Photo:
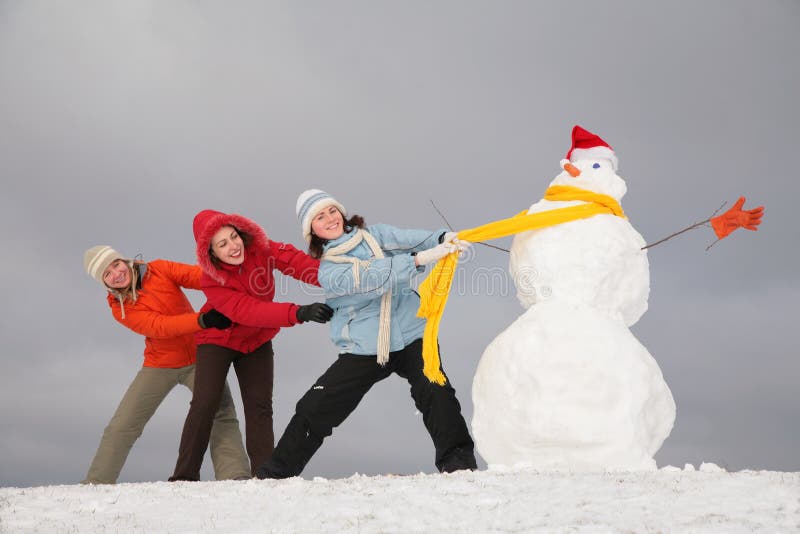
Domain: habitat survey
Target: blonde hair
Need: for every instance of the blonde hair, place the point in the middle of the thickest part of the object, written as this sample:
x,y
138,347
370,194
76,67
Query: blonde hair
x,y
129,293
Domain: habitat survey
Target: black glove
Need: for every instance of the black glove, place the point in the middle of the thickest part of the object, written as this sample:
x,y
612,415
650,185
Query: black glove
x,y
213,319
317,312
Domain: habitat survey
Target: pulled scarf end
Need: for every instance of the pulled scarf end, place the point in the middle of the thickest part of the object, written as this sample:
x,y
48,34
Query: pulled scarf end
x,y
431,365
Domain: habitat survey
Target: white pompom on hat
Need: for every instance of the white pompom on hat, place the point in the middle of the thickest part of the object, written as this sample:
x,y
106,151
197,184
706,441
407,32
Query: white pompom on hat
x,y
586,145
97,259
310,203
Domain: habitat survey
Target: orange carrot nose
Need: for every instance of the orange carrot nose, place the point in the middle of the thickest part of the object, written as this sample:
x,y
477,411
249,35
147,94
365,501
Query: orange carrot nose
x,y
570,168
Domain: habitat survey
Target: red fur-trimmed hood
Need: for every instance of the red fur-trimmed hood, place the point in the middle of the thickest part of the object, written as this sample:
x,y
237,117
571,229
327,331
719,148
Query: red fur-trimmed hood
x,y
208,222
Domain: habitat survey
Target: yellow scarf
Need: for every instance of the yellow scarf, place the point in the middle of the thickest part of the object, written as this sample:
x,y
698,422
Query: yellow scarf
x,y
435,288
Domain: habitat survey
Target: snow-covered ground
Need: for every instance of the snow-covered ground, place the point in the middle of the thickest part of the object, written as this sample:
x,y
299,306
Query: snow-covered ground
x,y
667,500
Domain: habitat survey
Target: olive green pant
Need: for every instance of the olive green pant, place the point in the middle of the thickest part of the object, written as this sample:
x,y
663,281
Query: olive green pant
x,y
140,402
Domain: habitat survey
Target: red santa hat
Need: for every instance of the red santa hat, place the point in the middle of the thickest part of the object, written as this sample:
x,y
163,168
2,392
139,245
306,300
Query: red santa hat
x,y
586,145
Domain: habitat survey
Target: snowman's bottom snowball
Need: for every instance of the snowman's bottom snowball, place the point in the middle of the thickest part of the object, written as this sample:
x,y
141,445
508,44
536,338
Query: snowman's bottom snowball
x,y
567,387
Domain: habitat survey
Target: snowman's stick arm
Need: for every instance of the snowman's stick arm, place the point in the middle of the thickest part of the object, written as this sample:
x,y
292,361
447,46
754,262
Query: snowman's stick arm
x,y
692,227
441,215
450,226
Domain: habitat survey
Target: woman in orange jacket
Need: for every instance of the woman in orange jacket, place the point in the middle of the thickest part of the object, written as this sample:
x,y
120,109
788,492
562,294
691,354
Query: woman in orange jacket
x,y
147,298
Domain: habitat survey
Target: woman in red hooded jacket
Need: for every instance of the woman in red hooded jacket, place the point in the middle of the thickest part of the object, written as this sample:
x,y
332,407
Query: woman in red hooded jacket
x,y
238,261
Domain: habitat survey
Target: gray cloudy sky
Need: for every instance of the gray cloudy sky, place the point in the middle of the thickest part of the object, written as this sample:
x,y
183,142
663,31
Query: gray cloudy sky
x,y
120,120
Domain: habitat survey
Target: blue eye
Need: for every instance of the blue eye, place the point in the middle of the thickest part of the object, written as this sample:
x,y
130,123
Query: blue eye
x,y
596,166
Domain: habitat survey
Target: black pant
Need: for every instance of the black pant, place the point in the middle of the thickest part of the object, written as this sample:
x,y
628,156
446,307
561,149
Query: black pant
x,y
255,372
338,391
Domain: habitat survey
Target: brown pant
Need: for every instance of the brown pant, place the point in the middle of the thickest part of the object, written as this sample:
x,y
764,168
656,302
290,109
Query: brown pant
x,y
255,373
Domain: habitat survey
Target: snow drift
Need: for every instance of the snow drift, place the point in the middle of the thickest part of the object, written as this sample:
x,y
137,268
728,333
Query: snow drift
x,y
670,499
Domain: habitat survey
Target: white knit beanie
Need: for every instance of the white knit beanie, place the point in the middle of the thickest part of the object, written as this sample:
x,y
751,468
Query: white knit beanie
x,y
309,204
97,259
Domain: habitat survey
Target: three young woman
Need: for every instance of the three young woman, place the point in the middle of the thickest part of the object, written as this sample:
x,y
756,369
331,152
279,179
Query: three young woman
x,y
366,274
238,260
147,298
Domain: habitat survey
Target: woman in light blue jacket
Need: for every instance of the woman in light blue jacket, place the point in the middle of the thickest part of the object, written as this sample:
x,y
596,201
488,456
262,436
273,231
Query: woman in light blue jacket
x,y
366,274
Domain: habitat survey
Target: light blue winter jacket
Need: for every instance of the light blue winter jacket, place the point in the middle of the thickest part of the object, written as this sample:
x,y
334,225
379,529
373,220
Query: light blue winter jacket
x,y
354,326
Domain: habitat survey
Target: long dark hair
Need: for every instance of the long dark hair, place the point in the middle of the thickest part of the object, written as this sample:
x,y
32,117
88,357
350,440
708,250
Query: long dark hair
x,y
316,244
246,239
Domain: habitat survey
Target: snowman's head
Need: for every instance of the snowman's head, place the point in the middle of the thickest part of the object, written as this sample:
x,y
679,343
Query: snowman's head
x,y
596,174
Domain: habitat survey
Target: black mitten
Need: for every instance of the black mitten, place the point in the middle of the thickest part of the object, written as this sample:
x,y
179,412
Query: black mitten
x,y
318,312
214,319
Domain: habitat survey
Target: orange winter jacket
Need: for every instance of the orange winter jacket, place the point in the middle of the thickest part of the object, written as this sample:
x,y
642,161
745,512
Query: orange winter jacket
x,y
163,314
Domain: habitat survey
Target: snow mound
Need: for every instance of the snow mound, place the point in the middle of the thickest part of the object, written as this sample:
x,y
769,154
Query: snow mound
x,y
566,387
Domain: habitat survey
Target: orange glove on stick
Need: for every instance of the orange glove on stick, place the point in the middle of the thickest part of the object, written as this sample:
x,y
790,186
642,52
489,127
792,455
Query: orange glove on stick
x,y
737,217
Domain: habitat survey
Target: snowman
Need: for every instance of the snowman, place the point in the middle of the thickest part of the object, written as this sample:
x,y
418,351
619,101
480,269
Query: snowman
x,y
567,386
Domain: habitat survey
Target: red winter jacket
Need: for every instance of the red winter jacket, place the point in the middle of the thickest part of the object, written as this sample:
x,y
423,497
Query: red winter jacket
x,y
244,292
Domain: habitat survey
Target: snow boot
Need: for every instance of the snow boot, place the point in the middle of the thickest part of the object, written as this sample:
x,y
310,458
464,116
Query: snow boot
x,y
458,459
274,470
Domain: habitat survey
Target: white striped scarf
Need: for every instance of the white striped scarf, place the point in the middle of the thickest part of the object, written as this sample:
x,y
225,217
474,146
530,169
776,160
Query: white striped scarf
x,y
337,255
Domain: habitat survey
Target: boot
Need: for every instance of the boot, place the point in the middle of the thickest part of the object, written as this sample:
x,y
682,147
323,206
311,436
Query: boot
x,y
458,459
276,470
